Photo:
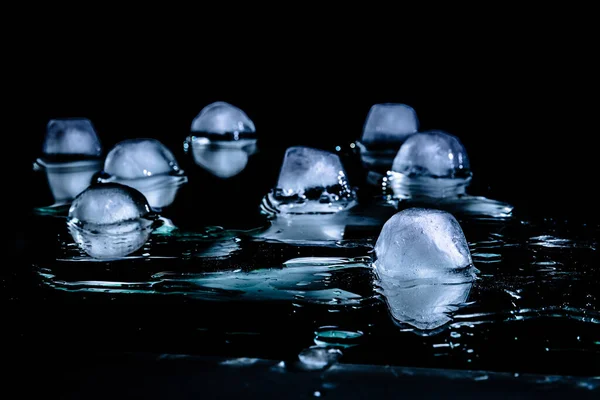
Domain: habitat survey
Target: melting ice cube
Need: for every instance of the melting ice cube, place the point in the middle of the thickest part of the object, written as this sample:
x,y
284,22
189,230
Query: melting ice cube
x,y
222,118
423,266
146,165
310,181
389,123
429,164
71,156
110,220
432,169
222,140
434,154
386,127
75,136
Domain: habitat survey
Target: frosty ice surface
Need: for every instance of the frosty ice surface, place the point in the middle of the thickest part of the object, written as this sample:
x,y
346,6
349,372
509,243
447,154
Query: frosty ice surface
x,y
110,220
146,165
423,265
222,139
71,156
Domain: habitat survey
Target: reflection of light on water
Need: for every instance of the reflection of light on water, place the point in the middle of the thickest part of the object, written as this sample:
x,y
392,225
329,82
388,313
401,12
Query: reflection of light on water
x,y
316,275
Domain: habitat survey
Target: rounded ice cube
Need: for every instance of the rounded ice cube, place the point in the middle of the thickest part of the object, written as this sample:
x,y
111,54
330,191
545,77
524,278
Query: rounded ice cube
x,y
148,166
421,243
140,158
221,118
389,123
110,220
72,136
432,154
222,139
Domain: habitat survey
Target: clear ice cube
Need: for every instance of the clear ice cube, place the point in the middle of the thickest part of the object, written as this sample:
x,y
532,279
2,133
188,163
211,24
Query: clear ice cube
x,y
139,158
220,118
432,154
305,169
310,181
110,220
146,165
423,267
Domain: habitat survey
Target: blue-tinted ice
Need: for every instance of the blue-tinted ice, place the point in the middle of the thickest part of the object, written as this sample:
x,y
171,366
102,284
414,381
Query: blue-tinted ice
x,y
386,127
432,168
110,220
222,139
423,266
70,158
146,165
311,190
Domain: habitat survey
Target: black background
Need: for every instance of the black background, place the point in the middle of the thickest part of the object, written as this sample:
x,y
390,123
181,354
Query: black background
x,y
527,124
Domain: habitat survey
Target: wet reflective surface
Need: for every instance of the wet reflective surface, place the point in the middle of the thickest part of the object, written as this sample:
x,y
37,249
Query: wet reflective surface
x,y
533,307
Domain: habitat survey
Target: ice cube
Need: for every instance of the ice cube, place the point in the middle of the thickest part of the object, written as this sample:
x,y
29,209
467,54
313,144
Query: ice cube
x,y
423,266
222,139
110,220
305,168
220,118
310,181
71,157
75,136
433,154
389,123
421,243
139,158
146,165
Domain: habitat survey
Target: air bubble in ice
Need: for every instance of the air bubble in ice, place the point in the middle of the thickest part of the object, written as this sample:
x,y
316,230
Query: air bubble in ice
x,y
146,165
110,220
70,157
222,139
423,267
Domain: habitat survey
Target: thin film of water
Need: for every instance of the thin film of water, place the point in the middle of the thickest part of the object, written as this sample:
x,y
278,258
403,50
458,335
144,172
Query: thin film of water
x,y
533,307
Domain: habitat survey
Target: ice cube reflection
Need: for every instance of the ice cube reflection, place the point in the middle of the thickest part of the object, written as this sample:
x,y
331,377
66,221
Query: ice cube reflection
x,y
424,267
